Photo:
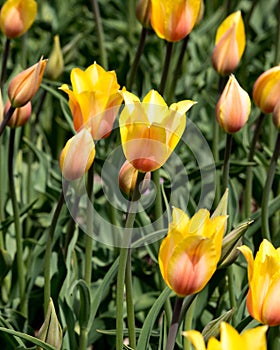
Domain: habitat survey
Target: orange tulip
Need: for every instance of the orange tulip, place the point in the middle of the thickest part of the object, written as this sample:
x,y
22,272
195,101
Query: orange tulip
x,y
20,115
17,16
174,20
229,44
233,107
266,90
94,100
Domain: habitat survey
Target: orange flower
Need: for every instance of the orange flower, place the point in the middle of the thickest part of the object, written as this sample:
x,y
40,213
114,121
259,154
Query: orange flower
x,y
266,90
25,85
233,107
17,16
20,115
94,100
174,20
229,44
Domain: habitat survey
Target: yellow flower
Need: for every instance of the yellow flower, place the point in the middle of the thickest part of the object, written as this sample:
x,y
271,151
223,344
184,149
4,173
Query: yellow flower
x,y
77,156
94,100
230,339
17,16
233,107
174,20
189,254
150,130
266,90
229,44
25,85
263,301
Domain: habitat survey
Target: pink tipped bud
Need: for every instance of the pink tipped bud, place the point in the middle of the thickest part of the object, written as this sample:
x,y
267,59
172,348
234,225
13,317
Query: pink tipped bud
x,y
276,115
20,115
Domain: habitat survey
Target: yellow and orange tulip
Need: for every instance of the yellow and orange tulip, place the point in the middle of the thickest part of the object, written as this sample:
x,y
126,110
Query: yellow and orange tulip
x,y
233,107
263,301
150,130
229,44
94,99
266,90
230,339
190,252
17,16
174,20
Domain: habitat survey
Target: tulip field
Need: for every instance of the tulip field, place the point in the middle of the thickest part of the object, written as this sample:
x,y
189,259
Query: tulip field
x,y
139,172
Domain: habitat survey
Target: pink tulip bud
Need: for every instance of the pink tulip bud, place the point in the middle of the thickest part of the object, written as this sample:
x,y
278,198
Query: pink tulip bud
x,y
20,115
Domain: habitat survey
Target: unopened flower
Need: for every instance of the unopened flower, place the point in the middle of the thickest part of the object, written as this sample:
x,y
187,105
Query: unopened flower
x,y
263,301
150,130
233,107
17,16
174,20
143,12
55,65
266,90
276,115
229,44
20,115
25,85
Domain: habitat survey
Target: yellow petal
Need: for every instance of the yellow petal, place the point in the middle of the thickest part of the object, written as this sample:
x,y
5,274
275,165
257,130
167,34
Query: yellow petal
x,y
230,338
271,306
254,338
196,339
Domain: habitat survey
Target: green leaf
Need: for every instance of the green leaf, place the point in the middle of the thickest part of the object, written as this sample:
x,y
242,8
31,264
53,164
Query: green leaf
x,y
84,313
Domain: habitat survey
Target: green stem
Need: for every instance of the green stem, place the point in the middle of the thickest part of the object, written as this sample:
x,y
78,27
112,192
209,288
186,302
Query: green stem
x,y
18,231
6,119
168,55
130,20
231,291
227,162
188,324
171,338
249,170
100,35
136,61
267,188
249,14
48,253
4,64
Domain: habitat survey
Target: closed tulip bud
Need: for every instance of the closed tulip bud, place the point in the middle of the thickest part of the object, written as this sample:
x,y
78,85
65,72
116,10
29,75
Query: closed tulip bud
x,y
17,16
229,44
266,90
263,301
25,85
143,12
55,64
174,20
233,107
20,115
276,115
77,156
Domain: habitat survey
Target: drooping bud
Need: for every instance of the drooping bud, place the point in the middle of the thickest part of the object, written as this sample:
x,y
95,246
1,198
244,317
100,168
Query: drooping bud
x,y
20,115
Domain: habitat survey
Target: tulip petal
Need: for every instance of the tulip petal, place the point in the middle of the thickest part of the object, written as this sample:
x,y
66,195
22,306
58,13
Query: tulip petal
x,y
271,305
254,338
230,338
196,339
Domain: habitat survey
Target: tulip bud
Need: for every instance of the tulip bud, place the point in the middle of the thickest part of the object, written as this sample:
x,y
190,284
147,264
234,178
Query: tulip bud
x,y
266,90
229,44
25,85
20,115
276,115
17,16
233,107
55,65
143,12
77,156
51,331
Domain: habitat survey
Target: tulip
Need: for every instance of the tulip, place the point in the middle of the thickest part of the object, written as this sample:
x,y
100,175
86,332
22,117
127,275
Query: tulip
x,y
25,85
189,254
77,156
17,16
174,20
263,301
229,44
20,116
150,130
233,107
143,12
55,65
230,339
276,115
94,100
266,90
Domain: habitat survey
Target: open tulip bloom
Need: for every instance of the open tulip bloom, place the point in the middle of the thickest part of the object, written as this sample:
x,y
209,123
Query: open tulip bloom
x,y
150,130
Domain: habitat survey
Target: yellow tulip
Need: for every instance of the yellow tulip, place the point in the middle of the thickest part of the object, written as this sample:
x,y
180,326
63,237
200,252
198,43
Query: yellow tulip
x,y
263,301
266,90
230,339
17,16
233,107
189,254
94,100
150,130
229,44
174,20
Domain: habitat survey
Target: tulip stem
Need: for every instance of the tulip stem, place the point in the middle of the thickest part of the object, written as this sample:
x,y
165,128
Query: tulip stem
x,y
171,338
267,188
6,119
18,230
168,55
100,34
227,162
249,170
48,253
4,63
232,294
